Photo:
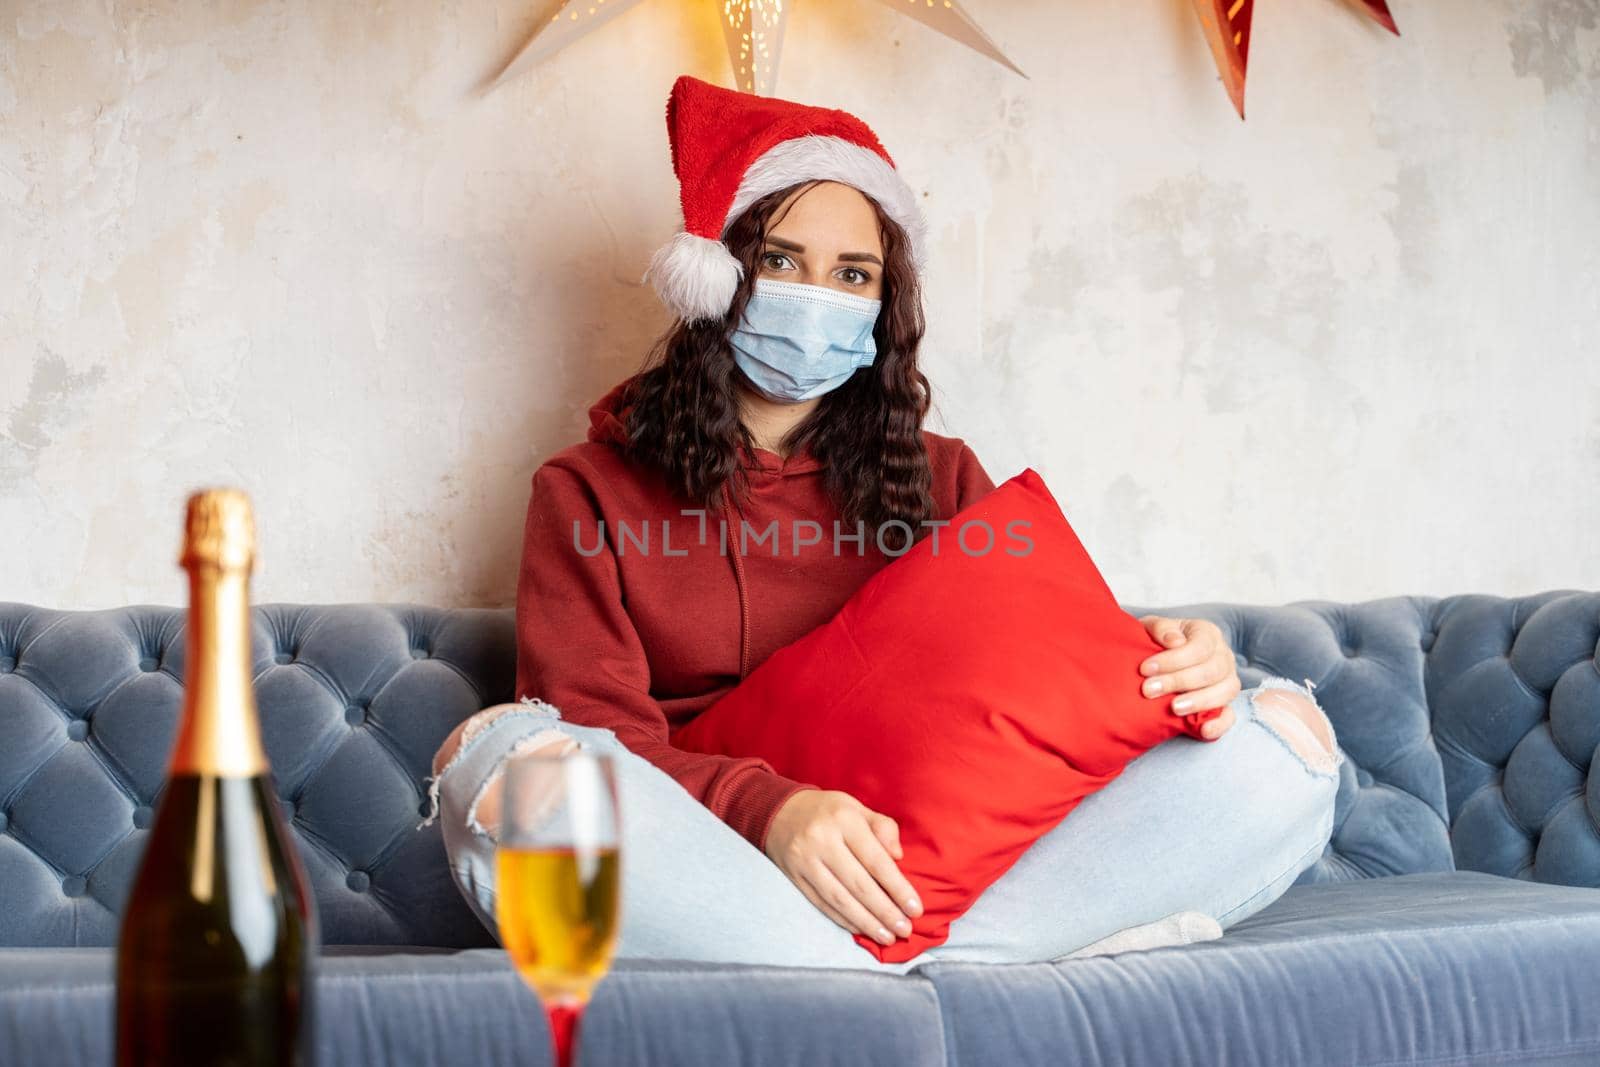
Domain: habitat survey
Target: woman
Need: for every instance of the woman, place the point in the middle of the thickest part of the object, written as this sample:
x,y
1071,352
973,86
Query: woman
x,y
786,398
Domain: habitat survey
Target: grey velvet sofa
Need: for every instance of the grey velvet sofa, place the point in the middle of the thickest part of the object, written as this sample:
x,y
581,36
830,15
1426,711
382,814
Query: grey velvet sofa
x,y
1455,918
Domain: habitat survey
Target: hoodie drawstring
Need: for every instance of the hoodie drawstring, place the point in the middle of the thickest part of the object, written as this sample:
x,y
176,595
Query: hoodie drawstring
x,y
738,581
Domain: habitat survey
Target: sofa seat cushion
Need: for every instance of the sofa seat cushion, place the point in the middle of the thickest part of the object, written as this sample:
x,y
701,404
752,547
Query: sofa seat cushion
x,y
436,1006
1454,968
1459,968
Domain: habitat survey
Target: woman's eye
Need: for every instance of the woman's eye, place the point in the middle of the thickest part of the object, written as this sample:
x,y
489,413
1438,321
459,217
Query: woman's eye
x,y
865,277
767,259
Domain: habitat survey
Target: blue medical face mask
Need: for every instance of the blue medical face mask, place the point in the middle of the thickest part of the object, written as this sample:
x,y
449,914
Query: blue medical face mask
x,y
799,341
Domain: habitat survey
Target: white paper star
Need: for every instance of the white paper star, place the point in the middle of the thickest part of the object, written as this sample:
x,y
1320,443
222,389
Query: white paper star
x,y
754,31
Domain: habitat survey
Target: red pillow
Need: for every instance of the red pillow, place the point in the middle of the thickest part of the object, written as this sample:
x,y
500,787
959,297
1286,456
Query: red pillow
x,y
975,690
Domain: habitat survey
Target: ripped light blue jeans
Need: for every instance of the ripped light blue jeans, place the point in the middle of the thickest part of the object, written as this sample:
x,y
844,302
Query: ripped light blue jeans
x,y
1221,827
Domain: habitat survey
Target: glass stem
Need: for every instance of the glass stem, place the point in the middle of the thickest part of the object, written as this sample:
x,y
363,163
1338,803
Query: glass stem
x,y
563,1016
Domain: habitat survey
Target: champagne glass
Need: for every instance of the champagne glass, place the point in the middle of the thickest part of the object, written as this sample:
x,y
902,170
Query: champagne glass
x,y
558,880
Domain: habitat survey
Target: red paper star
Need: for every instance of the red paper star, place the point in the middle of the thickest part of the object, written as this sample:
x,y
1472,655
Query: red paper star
x,y
1227,28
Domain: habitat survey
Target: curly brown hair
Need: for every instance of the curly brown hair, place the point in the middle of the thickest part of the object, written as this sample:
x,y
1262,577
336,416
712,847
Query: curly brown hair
x,y
683,411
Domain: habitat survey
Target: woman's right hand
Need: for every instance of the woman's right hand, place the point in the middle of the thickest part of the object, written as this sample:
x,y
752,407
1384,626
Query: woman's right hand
x,y
842,856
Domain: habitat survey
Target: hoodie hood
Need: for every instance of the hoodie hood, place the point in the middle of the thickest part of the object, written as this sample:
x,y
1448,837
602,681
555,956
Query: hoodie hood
x,y
606,425
605,416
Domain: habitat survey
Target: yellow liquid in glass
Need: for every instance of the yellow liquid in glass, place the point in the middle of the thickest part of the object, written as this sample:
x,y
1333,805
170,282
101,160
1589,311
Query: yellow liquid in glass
x,y
557,910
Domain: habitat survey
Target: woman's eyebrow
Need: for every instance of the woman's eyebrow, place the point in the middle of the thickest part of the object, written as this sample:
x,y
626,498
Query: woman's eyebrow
x,y
848,257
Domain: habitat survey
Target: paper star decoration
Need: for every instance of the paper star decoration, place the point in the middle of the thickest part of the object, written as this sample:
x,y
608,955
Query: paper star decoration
x,y
1227,28
754,32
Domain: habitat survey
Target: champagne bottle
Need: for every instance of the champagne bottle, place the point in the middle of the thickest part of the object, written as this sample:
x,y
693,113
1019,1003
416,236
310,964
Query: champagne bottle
x,y
219,932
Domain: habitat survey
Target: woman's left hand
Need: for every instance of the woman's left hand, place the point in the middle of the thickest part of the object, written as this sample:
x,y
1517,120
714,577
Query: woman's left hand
x,y
1197,667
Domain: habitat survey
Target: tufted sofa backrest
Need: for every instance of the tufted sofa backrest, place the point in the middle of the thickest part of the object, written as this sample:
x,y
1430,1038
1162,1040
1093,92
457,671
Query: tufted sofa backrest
x,y
354,701
1470,724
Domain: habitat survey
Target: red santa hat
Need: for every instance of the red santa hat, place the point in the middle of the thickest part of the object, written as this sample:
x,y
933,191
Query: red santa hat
x,y
729,149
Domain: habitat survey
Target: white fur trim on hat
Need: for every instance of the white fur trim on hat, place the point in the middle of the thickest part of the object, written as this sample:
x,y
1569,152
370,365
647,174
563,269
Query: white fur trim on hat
x,y
818,156
695,276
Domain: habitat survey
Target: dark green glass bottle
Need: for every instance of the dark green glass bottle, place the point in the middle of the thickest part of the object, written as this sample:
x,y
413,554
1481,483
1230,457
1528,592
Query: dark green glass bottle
x,y
219,933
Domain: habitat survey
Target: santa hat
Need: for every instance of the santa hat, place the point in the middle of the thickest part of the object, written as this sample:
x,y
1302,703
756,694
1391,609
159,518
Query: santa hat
x,y
729,149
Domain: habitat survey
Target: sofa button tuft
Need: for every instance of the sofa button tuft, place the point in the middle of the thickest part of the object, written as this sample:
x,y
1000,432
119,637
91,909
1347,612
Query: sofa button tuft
x,y
7,664
357,881
355,713
1427,641
3,822
74,885
148,664
78,729
143,816
282,657
419,652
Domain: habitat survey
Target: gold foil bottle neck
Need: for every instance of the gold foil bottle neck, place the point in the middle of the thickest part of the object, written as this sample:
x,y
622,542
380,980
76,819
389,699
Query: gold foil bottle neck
x,y
219,530
219,733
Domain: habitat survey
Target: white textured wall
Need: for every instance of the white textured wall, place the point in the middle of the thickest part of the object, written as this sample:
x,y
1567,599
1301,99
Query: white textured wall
x,y
1346,349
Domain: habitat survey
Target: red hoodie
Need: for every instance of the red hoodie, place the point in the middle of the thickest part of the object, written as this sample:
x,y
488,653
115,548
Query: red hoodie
x,y
635,616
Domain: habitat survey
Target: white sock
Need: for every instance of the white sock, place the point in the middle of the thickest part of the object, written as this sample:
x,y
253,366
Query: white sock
x,y
1179,928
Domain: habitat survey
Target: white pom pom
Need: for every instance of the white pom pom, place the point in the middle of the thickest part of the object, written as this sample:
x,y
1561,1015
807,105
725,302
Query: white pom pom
x,y
695,276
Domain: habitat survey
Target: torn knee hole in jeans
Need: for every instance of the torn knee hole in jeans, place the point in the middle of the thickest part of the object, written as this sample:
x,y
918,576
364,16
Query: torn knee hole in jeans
x,y
471,729
480,721
1297,720
483,814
